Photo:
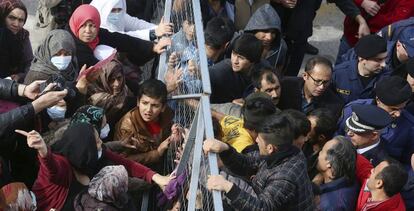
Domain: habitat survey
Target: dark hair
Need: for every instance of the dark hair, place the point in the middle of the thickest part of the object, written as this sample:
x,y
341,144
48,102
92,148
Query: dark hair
x,y
7,6
153,88
218,32
393,177
249,46
255,110
310,64
342,157
325,122
218,132
298,121
265,73
276,130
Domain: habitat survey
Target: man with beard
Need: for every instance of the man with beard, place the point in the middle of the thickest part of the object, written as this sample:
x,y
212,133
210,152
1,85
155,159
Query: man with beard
x,y
265,81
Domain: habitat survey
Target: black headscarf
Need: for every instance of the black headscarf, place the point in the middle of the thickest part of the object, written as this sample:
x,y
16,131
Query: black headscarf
x,y
78,145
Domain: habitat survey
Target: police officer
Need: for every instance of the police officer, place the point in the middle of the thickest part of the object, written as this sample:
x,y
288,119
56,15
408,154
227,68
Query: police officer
x,y
364,128
392,95
355,79
400,51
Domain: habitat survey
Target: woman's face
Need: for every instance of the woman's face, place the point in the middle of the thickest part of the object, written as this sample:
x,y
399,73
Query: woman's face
x,y
115,82
88,32
15,20
63,52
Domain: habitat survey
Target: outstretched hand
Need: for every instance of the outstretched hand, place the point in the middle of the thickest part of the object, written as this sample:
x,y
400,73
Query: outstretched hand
x,y
35,141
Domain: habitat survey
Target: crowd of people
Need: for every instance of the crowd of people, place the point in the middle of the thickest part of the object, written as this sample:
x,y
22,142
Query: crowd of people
x,y
80,129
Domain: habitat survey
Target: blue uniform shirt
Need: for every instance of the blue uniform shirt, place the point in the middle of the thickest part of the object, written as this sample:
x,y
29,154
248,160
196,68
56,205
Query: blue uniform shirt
x,y
346,82
398,137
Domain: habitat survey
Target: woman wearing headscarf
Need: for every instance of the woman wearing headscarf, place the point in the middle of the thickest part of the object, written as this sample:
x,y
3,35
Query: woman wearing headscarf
x,y
110,92
107,191
84,25
56,55
114,17
87,114
68,166
16,196
15,50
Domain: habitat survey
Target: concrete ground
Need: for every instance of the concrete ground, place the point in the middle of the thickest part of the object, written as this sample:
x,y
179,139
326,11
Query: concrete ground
x,y
327,29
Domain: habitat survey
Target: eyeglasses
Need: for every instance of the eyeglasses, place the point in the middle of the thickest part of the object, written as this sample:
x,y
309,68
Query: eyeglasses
x,y
320,82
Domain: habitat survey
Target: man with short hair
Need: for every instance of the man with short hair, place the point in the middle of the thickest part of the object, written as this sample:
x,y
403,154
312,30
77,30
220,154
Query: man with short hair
x,y
381,186
311,91
217,34
281,181
230,77
356,79
336,164
392,95
146,128
400,51
265,81
323,127
364,128
300,124
240,133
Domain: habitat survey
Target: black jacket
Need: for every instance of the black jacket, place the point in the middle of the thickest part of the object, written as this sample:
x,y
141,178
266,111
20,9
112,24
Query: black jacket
x,y
281,182
139,51
227,85
11,120
291,97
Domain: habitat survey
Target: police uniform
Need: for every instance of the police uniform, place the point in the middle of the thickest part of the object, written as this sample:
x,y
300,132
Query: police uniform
x,y
369,118
346,79
346,82
398,137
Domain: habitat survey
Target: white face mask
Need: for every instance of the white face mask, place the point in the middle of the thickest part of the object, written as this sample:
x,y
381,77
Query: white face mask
x,y
104,131
56,113
61,62
99,153
115,18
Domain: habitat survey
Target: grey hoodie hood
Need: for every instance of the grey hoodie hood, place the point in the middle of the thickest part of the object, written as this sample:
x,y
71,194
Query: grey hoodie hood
x,y
264,18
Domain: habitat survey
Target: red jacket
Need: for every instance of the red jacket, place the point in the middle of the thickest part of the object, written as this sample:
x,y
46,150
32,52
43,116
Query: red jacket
x,y
390,12
395,203
55,176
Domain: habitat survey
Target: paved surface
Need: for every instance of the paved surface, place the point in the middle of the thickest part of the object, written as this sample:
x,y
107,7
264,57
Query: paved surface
x,y
327,29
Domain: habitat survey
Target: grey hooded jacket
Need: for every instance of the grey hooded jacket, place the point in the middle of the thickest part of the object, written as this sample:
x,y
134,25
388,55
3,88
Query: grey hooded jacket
x,y
266,18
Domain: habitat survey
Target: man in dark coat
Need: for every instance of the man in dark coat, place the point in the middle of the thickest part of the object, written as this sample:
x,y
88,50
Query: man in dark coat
x,y
281,181
231,77
312,90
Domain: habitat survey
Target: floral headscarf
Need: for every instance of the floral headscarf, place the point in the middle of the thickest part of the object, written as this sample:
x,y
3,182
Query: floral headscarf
x,y
110,185
89,114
